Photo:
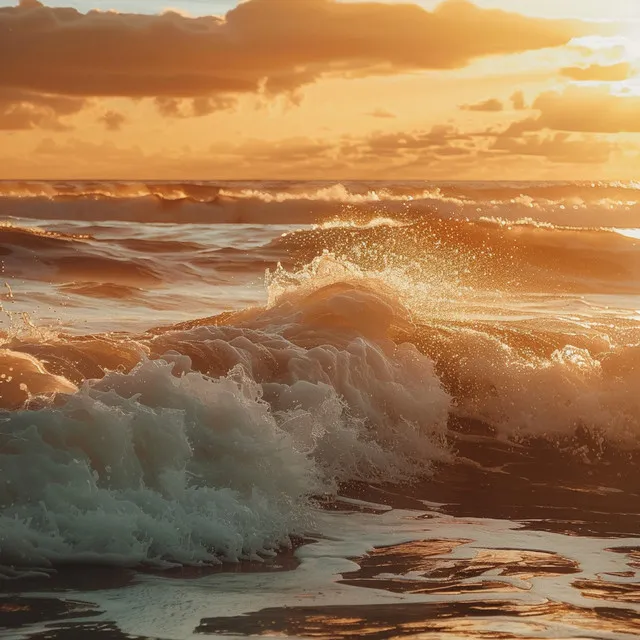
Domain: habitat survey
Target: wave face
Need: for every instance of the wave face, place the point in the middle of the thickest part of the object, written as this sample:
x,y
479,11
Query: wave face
x,y
162,406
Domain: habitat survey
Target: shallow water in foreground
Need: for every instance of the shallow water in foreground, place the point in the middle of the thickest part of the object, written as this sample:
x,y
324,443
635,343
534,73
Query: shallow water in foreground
x,y
426,425
435,574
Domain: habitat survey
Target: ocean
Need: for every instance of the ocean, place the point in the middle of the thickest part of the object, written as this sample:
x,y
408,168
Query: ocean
x,y
319,410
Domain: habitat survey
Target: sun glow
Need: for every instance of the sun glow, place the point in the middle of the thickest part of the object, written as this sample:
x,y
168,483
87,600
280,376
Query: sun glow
x,y
630,33
631,28
631,49
613,51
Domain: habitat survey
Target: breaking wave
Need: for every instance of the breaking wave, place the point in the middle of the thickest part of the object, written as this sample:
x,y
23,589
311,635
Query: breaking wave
x,y
209,441
213,445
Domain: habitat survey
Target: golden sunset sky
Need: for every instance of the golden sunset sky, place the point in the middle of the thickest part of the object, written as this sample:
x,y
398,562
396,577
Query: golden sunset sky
x,y
320,89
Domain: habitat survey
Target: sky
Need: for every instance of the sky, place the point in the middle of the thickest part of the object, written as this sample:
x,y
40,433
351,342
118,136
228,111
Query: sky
x,y
320,89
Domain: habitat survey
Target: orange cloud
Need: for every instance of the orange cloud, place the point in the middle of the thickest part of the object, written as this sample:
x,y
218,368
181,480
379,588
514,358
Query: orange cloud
x,y
583,109
491,105
443,151
557,147
444,143
112,120
518,102
195,107
23,109
262,45
381,113
440,139
596,72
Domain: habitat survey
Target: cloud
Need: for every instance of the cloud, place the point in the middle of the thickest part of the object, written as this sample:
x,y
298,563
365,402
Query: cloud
x,y
444,144
518,102
602,73
588,109
290,151
491,105
494,105
112,120
195,107
381,113
391,145
273,46
286,158
440,152
557,147
21,109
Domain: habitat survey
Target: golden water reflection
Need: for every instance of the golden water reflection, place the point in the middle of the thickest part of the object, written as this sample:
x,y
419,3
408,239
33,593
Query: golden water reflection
x,y
504,606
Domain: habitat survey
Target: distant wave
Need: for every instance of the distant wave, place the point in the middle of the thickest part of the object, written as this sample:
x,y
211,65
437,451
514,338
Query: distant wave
x,y
347,191
591,204
93,190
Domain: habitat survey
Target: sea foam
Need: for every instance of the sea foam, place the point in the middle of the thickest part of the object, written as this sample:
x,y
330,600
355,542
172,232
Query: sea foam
x,y
165,464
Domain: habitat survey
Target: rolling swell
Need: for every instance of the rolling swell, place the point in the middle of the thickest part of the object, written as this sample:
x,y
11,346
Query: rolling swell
x,y
355,191
484,254
35,254
593,204
118,267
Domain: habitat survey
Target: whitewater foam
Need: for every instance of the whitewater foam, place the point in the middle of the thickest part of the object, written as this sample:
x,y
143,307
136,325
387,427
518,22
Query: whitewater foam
x,y
201,473
167,465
